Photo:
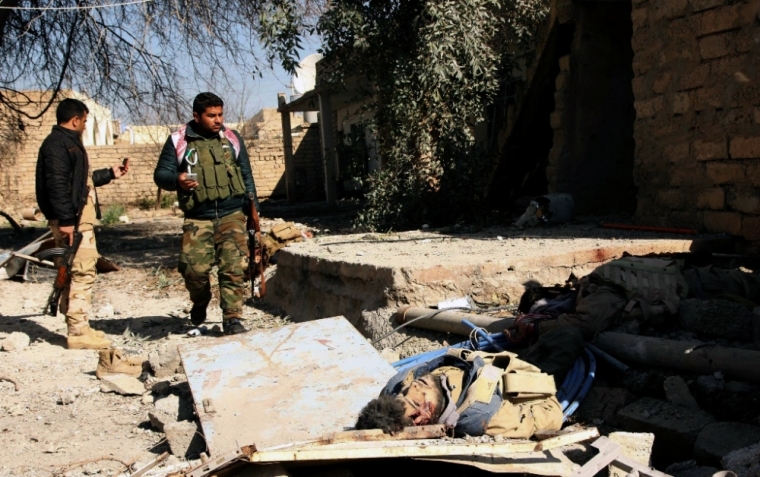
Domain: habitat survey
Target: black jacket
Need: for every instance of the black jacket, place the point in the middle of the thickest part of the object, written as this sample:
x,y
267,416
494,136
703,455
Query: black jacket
x,y
62,167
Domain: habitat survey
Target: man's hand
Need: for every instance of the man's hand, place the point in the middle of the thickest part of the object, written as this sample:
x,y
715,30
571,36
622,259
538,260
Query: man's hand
x,y
68,234
186,184
121,169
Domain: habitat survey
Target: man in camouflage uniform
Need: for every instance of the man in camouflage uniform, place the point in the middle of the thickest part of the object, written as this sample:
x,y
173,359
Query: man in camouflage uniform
x,y
209,168
66,195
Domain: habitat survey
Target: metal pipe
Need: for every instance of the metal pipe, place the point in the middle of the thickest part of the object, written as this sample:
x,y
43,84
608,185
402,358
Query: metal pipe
x,y
692,356
615,363
450,321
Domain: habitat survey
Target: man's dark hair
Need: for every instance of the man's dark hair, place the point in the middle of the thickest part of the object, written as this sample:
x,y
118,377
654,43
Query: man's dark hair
x,y
70,108
386,413
206,100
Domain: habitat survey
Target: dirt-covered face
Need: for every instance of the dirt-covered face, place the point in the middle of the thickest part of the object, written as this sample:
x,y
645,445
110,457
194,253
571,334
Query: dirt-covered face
x,y
422,400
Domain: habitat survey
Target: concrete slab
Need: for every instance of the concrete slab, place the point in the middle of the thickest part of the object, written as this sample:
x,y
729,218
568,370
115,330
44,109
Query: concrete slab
x,y
676,427
282,386
343,275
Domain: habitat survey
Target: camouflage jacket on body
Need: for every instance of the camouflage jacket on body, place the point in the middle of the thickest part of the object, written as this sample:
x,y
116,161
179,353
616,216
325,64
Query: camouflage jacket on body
x,y
496,394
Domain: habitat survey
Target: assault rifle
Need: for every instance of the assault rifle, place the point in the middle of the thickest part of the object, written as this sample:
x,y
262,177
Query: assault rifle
x,y
63,277
256,248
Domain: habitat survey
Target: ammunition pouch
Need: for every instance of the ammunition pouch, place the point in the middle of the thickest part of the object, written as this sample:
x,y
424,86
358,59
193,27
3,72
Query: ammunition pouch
x,y
219,175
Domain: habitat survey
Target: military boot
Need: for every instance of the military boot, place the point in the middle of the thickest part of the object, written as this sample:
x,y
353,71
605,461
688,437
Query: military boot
x,y
114,361
86,338
198,314
233,327
97,333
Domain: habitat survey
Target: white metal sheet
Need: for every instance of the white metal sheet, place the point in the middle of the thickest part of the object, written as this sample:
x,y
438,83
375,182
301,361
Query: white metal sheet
x,y
276,387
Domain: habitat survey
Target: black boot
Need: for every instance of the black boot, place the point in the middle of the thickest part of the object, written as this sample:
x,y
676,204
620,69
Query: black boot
x,y
233,327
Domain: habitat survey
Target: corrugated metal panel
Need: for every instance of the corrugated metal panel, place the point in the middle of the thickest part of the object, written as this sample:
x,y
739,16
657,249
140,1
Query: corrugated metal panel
x,y
277,387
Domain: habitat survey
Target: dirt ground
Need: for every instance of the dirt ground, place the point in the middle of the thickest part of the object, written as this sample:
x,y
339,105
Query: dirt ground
x,y
140,308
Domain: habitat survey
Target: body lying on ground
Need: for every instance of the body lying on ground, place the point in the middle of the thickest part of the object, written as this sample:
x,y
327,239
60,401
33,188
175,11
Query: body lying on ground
x,y
478,393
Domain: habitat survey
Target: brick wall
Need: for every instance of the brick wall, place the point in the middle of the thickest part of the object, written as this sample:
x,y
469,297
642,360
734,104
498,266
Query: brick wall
x,y
697,132
17,173
268,163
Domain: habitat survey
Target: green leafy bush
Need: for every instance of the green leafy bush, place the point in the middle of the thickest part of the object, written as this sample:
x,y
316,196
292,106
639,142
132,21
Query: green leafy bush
x,y
432,67
111,214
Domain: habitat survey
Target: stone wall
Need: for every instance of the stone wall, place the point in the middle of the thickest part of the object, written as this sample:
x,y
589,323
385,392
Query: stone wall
x,y
697,131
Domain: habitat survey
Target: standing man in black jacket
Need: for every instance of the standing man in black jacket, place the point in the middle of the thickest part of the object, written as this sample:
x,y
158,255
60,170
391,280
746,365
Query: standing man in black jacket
x,y
66,195
208,165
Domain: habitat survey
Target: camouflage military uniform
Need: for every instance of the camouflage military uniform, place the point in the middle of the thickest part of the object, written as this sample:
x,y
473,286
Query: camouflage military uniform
x,y
76,298
214,231
223,241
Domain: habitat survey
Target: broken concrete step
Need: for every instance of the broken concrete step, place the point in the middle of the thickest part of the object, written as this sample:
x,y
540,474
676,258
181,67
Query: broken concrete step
x,y
676,427
719,439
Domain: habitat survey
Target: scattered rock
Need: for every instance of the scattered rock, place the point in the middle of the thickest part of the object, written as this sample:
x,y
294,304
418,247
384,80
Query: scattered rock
x,y
745,462
604,403
165,411
106,311
15,341
676,427
636,445
716,318
165,362
184,439
718,440
67,398
390,355
122,384
710,384
148,398
677,392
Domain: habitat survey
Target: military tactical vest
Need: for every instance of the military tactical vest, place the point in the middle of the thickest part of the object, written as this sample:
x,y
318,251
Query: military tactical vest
x,y
654,284
490,378
219,175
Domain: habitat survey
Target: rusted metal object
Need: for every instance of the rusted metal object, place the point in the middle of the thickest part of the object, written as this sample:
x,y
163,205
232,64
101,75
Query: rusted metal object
x,y
450,321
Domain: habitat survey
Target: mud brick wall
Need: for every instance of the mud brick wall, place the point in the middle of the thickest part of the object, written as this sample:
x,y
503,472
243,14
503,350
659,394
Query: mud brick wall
x,y
697,131
268,163
17,173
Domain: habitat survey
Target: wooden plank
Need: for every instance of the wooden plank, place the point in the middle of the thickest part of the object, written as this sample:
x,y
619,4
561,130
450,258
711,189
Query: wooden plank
x,y
628,465
566,439
608,452
392,449
370,435
152,464
548,463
